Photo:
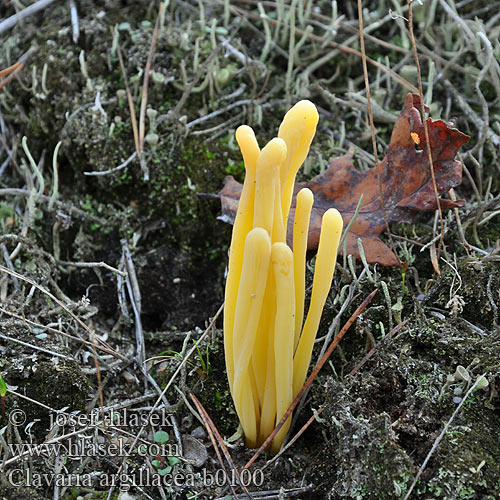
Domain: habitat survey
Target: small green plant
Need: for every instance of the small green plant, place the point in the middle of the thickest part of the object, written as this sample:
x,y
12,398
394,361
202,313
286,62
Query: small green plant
x,y
162,437
168,354
204,359
236,169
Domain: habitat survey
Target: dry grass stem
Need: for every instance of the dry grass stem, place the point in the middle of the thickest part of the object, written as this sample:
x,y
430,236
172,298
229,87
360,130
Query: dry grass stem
x,y
427,142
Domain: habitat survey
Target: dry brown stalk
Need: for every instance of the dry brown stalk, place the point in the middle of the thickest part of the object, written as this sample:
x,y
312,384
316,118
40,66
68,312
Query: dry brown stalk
x,y
10,73
130,101
217,441
145,87
426,131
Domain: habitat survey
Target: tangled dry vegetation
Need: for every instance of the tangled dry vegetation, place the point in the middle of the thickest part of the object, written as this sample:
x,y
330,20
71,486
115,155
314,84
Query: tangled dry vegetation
x,y
117,126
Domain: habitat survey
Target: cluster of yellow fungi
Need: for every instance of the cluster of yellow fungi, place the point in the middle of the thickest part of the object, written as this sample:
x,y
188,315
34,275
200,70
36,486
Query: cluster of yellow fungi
x,y
267,345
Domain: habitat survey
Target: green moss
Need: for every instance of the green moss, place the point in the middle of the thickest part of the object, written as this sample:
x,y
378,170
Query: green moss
x,y
37,376
382,422
468,458
478,286
72,387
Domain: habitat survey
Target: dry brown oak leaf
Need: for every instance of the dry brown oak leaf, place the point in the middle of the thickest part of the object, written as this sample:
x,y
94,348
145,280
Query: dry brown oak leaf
x,y
406,185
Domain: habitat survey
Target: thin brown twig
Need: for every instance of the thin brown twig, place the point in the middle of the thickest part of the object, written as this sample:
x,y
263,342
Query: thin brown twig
x,y
372,351
301,431
10,73
378,166
10,69
426,132
217,441
99,384
292,441
220,441
131,106
311,377
145,87
383,43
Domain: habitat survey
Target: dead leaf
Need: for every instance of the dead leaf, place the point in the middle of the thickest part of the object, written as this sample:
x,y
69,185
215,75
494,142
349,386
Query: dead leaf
x,y
406,184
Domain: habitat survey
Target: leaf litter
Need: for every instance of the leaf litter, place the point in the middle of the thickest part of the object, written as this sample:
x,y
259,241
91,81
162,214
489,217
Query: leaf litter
x,y
406,185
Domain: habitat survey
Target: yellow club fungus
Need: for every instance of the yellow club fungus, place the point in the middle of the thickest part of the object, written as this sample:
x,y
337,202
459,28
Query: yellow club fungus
x,y
305,200
267,344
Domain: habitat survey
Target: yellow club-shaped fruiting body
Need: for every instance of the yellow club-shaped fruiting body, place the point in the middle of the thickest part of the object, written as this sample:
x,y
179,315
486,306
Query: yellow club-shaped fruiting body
x,y
305,200
267,346
297,130
256,257
284,327
242,226
331,229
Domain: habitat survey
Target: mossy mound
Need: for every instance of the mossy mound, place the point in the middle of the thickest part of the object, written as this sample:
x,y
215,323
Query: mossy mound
x,y
55,379
473,291
380,424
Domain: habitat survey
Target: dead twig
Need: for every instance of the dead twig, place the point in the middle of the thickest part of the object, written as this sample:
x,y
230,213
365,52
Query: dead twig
x,y
55,299
217,441
99,385
145,86
274,494
63,205
114,169
470,113
292,441
75,25
92,265
485,110
461,232
136,301
11,72
11,21
130,101
162,395
348,50
35,347
107,350
426,132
